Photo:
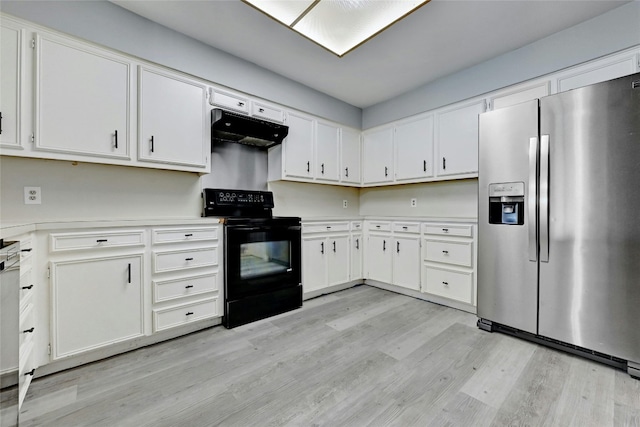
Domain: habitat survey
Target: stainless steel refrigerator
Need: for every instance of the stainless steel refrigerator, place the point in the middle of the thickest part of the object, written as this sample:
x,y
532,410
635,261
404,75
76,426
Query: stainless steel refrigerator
x,y
559,221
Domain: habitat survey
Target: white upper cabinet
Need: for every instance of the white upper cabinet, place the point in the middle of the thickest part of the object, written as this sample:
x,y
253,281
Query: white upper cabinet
x,y
327,150
350,156
602,70
298,146
229,100
519,94
172,123
11,66
456,139
377,154
267,112
414,149
82,99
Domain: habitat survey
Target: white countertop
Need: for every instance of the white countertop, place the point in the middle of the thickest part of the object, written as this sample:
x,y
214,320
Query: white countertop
x,y
12,229
395,218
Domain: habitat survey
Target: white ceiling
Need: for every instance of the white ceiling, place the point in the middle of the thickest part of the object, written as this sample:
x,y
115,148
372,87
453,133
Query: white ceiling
x,y
442,37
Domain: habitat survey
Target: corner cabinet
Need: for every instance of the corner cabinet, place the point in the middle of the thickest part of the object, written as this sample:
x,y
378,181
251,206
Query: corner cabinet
x,y
83,99
377,155
172,123
97,291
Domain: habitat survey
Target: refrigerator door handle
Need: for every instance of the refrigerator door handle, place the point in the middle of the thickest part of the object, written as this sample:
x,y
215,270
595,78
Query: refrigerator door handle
x,y
533,163
544,198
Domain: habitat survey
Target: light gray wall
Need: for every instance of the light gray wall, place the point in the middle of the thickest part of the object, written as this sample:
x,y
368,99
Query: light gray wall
x,y
314,200
611,32
112,26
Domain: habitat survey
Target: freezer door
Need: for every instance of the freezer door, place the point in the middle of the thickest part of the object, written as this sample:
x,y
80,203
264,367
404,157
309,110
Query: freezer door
x,y
590,285
507,249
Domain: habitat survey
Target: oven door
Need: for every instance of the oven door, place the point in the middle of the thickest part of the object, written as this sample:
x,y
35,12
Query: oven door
x,y
261,258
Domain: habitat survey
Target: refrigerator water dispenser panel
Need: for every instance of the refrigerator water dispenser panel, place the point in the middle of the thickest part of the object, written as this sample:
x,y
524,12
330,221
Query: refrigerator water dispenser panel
x,y
506,203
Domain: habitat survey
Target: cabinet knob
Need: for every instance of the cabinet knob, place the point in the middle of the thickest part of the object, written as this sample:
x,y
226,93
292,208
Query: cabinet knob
x,y
240,104
261,110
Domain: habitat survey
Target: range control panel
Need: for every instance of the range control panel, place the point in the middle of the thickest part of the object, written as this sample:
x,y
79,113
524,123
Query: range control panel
x,y
218,202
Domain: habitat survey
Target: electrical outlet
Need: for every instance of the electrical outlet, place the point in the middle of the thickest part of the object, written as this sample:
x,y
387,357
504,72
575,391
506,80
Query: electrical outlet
x,y
414,203
345,204
32,195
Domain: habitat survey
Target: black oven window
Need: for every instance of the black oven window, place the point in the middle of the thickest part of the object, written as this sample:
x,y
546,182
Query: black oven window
x,y
264,258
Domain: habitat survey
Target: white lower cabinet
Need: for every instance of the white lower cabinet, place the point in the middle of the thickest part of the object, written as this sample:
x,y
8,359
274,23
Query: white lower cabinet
x,y
356,257
449,260
186,271
393,253
96,302
328,255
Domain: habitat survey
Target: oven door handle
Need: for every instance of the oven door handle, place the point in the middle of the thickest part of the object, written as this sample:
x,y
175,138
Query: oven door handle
x,y
267,227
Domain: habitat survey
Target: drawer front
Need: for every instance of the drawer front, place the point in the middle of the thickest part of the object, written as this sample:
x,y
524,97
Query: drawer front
x,y
181,315
328,227
406,227
230,101
379,226
458,253
165,290
184,259
110,239
449,284
356,226
447,229
267,112
174,235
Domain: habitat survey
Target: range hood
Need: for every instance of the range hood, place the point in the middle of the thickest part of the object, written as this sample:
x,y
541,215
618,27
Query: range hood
x,y
233,127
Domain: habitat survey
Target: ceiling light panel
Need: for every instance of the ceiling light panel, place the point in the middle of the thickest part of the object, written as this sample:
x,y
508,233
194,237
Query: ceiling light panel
x,y
341,25
337,25
285,11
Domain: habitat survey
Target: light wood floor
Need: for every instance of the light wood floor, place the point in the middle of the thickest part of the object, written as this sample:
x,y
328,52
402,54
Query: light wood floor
x,y
360,357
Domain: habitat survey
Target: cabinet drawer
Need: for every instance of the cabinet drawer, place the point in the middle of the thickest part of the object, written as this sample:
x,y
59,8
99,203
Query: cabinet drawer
x,y
173,235
267,112
328,227
179,315
449,284
447,229
356,226
379,226
458,253
93,240
406,227
229,100
183,259
165,290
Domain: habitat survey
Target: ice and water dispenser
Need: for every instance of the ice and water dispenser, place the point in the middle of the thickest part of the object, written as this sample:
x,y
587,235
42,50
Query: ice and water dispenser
x,y
506,203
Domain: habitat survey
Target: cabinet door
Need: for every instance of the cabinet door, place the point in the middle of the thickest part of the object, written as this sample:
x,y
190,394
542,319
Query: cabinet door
x,y
414,149
378,156
10,85
314,263
82,99
338,259
350,156
406,262
356,257
327,142
519,94
379,261
96,302
172,124
298,147
457,139
598,71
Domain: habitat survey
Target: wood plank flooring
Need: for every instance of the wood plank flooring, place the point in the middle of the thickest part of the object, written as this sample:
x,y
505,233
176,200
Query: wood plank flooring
x,y
360,357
